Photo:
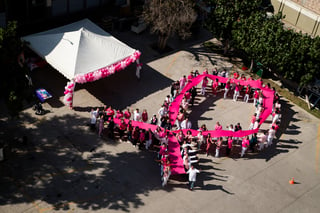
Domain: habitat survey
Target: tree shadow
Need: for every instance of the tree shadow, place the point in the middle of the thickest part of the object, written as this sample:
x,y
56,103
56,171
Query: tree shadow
x,y
61,170
199,108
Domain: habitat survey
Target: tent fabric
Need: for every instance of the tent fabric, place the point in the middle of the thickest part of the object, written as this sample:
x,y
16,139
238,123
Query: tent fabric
x,y
81,48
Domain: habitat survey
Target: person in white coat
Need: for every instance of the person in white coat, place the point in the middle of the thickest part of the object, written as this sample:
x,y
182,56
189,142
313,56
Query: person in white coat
x,y
192,176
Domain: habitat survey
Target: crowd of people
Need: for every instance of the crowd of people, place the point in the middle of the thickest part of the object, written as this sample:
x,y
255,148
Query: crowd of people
x,y
190,145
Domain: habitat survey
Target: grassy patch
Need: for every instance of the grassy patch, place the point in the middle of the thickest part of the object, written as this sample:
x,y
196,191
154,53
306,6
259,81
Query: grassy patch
x,y
294,99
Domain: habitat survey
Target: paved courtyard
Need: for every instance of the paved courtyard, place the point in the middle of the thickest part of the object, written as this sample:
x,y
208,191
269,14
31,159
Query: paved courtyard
x,y
64,167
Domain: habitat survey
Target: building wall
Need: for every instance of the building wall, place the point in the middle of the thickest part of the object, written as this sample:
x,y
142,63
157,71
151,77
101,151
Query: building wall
x,y
313,5
299,16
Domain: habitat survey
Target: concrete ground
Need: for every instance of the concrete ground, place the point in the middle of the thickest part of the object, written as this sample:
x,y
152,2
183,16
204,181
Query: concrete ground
x,y
64,167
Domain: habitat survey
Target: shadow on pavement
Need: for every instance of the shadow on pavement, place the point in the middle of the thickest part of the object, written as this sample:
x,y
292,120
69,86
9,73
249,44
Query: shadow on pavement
x,y
60,170
118,90
123,88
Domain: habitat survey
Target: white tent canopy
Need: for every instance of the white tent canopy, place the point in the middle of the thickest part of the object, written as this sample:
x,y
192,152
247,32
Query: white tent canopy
x,y
78,48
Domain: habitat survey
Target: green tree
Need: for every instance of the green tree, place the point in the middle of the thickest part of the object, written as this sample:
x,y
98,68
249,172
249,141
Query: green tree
x,y
13,86
226,13
167,17
292,55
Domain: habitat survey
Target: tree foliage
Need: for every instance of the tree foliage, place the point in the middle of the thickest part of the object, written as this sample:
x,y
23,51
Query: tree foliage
x,y
294,56
226,13
13,85
167,17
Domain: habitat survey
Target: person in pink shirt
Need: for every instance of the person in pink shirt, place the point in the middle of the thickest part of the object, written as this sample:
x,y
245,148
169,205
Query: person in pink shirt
x,y
144,116
205,71
204,85
180,137
119,114
188,95
182,81
247,94
122,129
236,75
190,76
180,118
215,85
245,144
236,92
229,145
255,97
127,114
109,113
218,126
142,138
226,89
218,147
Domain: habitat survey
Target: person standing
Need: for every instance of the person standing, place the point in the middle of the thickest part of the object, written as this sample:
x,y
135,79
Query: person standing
x,y
148,138
215,85
144,116
271,134
193,92
247,94
255,97
218,126
186,124
245,144
136,115
218,147
226,89
154,120
236,92
109,113
192,176
209,143
182,82
162,111
253,120
204,86
262,139
111,128
93,118
129,130
253,142
127,114
229,145
122,128
200,139
101,125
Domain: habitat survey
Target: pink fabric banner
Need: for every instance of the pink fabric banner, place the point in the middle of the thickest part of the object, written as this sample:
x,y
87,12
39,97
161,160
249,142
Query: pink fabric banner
x,y
268,103
173,145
